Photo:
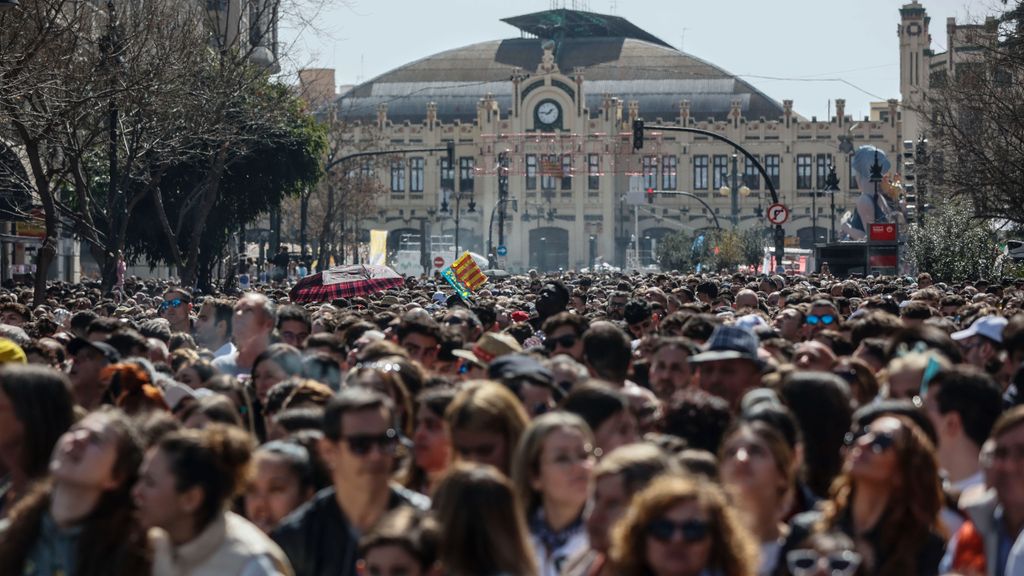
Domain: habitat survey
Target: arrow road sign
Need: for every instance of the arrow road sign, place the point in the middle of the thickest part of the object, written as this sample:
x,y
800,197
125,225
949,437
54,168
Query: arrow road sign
x,y
778,214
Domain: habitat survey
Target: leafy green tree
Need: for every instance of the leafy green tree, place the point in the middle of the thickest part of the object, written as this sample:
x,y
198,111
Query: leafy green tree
x,y
285,162
674,251
954,245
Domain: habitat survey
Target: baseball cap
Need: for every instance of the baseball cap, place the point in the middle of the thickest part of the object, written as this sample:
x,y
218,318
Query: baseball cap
x,y
516,366
108,351
729,342
990,327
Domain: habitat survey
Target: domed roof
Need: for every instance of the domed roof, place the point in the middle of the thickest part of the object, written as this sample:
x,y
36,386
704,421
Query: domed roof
x,y
630,66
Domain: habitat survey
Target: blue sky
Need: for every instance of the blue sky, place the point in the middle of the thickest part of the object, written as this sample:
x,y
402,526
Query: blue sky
x,y
810,51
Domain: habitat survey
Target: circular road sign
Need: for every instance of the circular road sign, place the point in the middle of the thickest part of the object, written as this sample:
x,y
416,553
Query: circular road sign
x,y
438,262
502,250
778,213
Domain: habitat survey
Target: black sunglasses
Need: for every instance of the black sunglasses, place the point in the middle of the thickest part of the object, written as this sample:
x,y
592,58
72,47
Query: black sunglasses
x,y
664,530
361,444
880,441
567,341
176,303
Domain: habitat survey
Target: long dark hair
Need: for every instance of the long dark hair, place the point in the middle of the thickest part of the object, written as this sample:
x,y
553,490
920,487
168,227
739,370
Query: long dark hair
x,y
914,504
43,404
111,542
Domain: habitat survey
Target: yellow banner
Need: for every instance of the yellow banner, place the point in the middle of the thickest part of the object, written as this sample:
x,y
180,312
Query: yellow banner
x,y
378,246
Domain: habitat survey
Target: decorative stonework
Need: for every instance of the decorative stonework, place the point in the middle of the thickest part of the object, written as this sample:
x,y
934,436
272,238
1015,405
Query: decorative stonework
x,y
547,61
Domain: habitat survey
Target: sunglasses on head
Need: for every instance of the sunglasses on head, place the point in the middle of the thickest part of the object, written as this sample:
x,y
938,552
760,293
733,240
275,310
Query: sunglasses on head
x,y
664,530
807,562
879,441
176,303
567,341
814,319
362,444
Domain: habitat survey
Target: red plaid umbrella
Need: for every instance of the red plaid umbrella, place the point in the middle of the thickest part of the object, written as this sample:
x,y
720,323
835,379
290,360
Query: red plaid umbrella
x,y
345,282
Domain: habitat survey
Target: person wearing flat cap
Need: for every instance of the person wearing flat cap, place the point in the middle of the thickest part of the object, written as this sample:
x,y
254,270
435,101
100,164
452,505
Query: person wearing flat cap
x,y
530,381
728,363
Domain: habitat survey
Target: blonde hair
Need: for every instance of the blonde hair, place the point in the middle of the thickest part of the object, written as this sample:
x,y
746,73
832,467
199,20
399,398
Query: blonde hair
x,y
485,406
734,551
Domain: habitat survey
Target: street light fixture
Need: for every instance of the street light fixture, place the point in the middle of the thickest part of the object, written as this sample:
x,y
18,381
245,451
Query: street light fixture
x,y
4,4
736,191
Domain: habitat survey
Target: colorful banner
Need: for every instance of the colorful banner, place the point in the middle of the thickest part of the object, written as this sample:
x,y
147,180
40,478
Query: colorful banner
x,y
464,275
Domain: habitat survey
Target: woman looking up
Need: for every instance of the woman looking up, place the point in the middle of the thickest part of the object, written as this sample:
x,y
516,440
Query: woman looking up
x,y
80,520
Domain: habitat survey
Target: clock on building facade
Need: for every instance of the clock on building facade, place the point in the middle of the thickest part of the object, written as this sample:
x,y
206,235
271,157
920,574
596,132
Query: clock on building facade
x,y
547,115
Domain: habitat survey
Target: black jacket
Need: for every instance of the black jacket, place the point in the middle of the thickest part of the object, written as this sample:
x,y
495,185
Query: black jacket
x,y
319,540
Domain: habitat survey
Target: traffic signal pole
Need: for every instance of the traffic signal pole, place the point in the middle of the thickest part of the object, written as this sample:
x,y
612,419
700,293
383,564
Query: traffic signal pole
x,y
780,234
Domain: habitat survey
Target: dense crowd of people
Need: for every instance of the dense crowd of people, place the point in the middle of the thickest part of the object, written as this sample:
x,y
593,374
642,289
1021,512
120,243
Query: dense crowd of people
x,y
571,424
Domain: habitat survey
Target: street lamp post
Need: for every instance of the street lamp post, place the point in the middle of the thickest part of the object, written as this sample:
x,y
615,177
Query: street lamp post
x,y
458,212
832,187
735,192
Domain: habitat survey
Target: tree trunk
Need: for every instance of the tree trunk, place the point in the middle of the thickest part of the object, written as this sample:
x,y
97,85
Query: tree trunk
x,y
189,274
48,250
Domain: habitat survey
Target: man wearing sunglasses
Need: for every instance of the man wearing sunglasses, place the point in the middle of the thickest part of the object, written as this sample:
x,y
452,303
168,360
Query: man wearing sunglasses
x,y
359,448
176,308
564,335
823,316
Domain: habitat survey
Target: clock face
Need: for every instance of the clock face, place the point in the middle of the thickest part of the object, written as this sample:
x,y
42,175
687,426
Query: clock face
x,y
548,113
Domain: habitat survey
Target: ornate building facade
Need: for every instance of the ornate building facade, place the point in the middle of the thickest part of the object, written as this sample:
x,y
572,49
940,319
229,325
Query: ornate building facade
x,y
559,103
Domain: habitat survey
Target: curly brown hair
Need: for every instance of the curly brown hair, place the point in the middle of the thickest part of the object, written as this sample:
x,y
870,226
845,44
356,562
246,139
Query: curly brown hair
x,y
733,549
916,500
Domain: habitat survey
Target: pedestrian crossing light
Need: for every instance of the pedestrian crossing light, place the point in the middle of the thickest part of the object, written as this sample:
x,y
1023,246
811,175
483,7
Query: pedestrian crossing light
x,y
638,134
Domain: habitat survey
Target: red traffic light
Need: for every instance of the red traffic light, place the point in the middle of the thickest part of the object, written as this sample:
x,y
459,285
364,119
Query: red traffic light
x,y
650,195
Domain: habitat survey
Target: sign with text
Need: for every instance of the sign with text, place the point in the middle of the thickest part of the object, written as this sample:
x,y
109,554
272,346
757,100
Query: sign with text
x,y
882,233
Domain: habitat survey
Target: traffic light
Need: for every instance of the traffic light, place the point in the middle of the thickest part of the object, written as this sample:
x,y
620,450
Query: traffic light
x,y
910,180
650,195
503,174
921,165
451,154
638,134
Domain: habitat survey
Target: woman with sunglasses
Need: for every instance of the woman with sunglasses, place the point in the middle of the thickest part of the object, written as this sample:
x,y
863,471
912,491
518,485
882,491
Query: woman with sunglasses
x,y
887,500
551,473
187,483
681,526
